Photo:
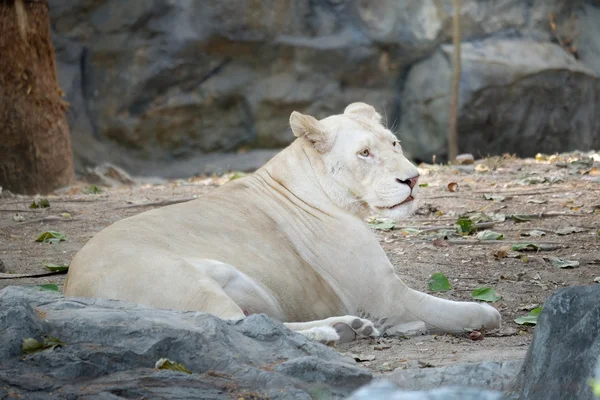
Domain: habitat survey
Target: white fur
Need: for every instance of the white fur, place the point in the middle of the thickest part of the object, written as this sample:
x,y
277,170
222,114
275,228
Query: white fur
x,y
289,241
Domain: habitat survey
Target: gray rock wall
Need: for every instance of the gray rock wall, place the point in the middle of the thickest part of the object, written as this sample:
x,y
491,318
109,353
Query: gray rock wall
x,y
156,83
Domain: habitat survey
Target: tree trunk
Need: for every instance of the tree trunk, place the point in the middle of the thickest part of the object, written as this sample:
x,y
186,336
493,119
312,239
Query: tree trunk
x,y
35,147
455,89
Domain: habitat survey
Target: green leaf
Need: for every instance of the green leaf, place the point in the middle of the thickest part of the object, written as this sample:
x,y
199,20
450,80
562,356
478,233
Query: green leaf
x,y
55,267
529,319
165,363
532,180
30,345
595,385
561,263
237,175
92,189
570,229
476,218
583,163
382,224
493,197
48,287
51,237
423,184
410,231
465,226
520,218
489,235
525,247
439,283
485,294
40,203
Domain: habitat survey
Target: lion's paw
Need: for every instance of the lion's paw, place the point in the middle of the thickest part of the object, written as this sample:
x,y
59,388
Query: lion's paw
x,y
349,327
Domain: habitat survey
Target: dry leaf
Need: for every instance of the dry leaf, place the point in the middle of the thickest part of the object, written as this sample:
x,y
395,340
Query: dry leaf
x,y
502,252
440,243
453,187
476,335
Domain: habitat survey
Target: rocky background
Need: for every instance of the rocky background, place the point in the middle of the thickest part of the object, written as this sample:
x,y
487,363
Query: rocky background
x,y
165,87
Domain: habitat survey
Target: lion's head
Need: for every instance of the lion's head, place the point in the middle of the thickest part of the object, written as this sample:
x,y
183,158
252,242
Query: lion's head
x,y
363,161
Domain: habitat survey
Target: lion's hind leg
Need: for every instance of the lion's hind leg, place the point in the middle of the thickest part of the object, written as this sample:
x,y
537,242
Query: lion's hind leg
x,y
335,329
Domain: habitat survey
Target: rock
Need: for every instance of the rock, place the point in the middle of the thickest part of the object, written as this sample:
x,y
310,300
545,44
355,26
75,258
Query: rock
x,y
111,348
586,38
488,375
517,95
155,84
384,390
564,349
465,159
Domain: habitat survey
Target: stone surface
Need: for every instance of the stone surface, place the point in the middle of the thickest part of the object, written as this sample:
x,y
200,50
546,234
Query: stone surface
x,y
156,83
565,347
486,375
111,348
517,95
385,390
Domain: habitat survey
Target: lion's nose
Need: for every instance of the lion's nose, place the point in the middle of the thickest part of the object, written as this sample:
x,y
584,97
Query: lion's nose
x,y
411,182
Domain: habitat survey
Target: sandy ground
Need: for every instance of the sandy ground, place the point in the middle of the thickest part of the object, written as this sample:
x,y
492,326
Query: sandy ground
x,y
569,196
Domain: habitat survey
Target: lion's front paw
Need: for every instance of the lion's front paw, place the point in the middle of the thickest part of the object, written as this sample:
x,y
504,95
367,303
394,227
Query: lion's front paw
x,y
349,327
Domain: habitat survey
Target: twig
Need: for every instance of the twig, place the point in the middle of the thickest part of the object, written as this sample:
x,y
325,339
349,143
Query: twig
x,y
31,275
156,203
49,218
483,225
546,246
17,211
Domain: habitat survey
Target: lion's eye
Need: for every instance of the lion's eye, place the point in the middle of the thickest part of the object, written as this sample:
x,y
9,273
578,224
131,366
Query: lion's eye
x,y
365,153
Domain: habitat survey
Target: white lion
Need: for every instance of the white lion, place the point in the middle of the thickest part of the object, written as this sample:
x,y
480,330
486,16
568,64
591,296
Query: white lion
x,y
289,241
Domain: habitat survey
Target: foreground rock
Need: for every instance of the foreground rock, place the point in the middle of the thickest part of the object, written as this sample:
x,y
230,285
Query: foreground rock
x,y
565,347
489,375
384,390
111,348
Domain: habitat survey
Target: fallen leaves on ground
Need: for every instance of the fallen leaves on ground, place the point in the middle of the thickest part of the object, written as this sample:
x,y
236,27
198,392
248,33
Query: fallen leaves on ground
x,y
525,247
529,319
562,263
485,294
51,237
40,203
165,363
438,282
490,235
55,267
31,345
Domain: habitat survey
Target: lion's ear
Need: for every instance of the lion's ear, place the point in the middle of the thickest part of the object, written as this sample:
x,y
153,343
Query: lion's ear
x,y
305,126
364,110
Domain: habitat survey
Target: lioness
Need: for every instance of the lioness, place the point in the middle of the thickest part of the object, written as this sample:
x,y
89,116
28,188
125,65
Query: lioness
x,y
289,241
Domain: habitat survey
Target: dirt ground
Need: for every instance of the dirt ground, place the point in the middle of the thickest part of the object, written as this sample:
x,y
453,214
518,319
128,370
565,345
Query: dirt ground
x,y
560,193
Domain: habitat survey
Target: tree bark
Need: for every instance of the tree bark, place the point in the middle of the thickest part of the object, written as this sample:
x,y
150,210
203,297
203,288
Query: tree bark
x,y
455,89
35,146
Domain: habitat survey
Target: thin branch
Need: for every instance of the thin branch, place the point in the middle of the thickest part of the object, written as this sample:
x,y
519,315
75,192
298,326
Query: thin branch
x,y
31,275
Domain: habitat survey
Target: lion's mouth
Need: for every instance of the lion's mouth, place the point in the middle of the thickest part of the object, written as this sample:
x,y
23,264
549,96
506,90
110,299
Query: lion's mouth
x,y
407,200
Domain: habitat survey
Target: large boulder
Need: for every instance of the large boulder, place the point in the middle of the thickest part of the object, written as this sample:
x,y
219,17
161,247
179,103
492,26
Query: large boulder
x,y
566,346
111,347
519,96
155,84
385,390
